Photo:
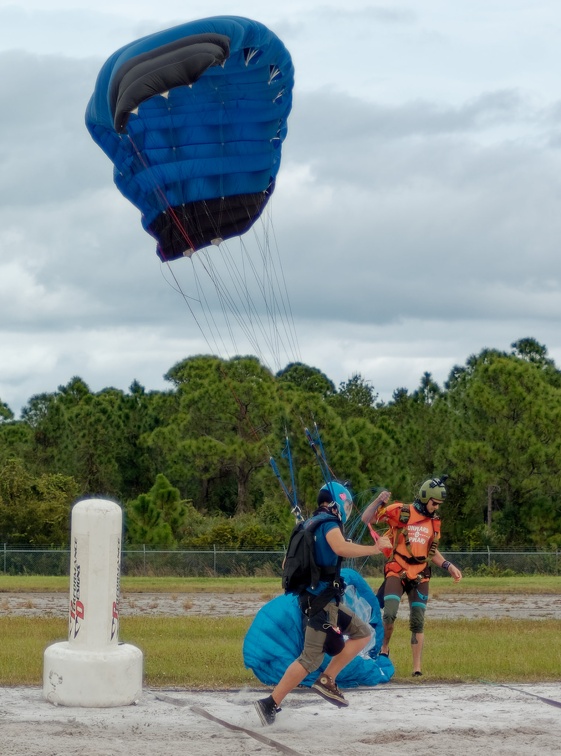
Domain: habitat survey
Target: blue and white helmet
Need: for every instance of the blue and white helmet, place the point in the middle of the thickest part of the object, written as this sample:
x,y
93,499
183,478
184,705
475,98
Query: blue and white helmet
x,y
341,496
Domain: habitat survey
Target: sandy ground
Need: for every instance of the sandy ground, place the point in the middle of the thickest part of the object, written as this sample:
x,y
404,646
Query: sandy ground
x,y
393,719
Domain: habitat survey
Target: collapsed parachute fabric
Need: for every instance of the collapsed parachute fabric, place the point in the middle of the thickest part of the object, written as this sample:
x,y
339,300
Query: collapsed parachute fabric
x,y
276,638
193,119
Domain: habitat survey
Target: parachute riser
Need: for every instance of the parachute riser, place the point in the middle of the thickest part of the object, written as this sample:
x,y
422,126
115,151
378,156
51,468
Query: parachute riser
x,y
292,498
320,455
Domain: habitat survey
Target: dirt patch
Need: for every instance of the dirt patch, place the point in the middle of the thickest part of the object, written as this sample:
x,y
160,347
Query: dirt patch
x,y
446,606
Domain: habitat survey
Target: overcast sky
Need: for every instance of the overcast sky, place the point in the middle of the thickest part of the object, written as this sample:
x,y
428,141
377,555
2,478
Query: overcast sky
x,y
417,212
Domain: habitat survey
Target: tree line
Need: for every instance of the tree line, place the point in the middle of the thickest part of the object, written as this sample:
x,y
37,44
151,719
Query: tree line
x,y
191,464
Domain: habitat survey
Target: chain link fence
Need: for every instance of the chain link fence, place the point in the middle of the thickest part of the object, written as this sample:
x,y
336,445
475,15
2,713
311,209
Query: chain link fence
x,y
219,562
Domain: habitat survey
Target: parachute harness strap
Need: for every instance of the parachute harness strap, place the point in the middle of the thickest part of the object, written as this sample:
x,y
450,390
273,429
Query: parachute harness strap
x,y
319,452
404,516
292,497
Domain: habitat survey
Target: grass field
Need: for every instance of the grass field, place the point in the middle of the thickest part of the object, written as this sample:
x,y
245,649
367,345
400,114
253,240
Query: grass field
x,y
526,584
206,652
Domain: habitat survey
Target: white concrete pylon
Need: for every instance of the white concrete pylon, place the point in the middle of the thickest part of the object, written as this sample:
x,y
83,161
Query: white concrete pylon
x,y
92,668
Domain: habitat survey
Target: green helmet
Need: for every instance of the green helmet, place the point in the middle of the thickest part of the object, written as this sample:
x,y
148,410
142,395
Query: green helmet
x,y
433,488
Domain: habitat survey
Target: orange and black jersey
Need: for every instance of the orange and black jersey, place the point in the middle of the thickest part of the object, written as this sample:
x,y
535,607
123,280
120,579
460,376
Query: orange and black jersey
x,y
415,538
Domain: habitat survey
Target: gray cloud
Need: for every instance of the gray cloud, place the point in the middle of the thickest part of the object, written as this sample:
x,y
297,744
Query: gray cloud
x,y
414,227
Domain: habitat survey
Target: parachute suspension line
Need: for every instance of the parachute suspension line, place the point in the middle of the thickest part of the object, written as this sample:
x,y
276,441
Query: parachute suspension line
x,y
237,298
227,302
213,330
183,232
290,331
177,287
243,291
274,329
207,312
202,256
268,325
273,293
252,324
265,283
221,290
250,321
269,287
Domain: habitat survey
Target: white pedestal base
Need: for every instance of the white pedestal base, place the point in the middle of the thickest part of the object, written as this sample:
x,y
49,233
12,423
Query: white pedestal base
x,y
78,677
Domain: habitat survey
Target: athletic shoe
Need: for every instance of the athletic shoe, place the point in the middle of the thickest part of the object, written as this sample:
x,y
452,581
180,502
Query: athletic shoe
x,y
327,688
417,674
267,710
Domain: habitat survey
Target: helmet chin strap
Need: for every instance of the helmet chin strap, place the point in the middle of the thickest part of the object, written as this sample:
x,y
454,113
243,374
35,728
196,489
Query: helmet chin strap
x,y
333,509
422,508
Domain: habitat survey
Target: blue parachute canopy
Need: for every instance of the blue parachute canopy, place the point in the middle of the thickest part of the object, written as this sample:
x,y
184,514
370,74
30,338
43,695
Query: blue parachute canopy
x,y
276,638
193,119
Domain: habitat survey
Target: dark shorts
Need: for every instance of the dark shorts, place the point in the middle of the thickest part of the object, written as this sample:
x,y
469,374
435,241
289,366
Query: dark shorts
x,y
418,595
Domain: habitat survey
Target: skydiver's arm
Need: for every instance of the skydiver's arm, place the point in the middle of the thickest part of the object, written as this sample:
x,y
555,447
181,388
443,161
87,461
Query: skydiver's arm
x,y
439,561
349,550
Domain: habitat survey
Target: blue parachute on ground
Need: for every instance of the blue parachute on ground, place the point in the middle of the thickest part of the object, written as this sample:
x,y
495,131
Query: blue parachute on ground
x,y
193,119
276,638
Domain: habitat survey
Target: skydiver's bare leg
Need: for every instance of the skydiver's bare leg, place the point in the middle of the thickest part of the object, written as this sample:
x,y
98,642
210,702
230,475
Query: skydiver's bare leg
x,y
417,642
293,676
388,632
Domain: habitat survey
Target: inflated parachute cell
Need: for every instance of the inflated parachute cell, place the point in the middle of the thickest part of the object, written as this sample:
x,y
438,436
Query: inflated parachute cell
x,y
276,637
193,119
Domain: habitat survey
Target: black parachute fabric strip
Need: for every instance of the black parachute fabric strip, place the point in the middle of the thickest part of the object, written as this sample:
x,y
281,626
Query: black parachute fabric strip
x,y
252,734
543,699
549,701
178,63
220,218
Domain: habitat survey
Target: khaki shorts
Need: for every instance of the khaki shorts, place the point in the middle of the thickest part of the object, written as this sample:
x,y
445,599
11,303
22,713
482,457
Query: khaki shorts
x,y
313,653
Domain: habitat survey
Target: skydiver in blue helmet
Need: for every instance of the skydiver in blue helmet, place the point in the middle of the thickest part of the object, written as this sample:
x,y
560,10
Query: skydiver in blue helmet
x,y
337,498
325,617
